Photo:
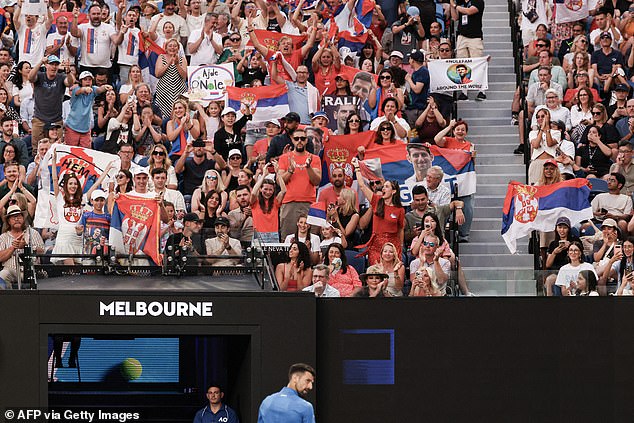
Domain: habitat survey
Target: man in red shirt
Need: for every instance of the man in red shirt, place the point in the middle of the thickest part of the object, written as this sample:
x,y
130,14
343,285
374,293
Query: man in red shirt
x,y
301,172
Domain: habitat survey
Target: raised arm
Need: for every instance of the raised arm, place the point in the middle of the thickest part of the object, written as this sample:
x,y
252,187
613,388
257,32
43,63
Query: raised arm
x,y
364,188
54,173
254,39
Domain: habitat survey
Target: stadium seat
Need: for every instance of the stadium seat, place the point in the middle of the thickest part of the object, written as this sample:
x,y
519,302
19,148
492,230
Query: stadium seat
x,y
357,262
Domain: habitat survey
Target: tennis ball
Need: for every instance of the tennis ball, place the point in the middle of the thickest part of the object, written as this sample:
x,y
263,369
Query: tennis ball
x,y
131,369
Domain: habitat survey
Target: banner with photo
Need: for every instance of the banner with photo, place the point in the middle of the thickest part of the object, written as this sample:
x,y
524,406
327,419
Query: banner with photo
x,y
86,164
338,108
34,7
469,73
209,82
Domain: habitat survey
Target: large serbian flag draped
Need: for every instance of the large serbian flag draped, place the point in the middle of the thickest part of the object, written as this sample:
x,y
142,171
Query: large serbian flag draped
x,y
135,226
271,39
458,167
266,102
528,208
149,53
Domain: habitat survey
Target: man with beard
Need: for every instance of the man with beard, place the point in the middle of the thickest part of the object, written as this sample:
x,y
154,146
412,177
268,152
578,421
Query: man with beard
x,y
60,42
223,245
303,97
330,195
288,405
301,172
186,242
194,168
241,219
97,40
279,143
341,115
21,152
12,176
12,243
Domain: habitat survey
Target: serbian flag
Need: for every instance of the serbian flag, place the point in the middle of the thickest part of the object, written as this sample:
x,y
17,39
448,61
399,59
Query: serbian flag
x,y
394,163
265,103
135,226
339,151
333,30
458,167
271,39
180,143
363,10
354,42
348,73
82,18
317,214
149,53
531,208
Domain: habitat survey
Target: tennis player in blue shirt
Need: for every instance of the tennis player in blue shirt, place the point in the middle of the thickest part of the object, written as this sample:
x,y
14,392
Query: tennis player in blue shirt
x,y
288,406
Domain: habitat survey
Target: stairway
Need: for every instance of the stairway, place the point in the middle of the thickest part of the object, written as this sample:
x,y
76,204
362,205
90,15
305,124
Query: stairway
x,y
489,267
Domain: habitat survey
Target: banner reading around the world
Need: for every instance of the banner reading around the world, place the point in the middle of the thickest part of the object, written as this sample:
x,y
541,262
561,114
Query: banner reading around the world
x,y
469,73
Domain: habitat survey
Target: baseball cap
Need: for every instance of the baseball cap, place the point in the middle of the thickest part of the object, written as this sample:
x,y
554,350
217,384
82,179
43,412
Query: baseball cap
x,y
13,210
234,151
320,114
609,222
50,126
417,56
191,217
413,11
622,87
53,59
141,171
198,143
550,162
397,54
606,34
292,117
275,122
222,221
85,74
563,220
98,193
228,110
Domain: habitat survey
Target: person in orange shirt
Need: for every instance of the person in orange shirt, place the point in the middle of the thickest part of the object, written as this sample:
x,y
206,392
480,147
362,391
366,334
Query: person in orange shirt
x,y
273,128
301,172
265,205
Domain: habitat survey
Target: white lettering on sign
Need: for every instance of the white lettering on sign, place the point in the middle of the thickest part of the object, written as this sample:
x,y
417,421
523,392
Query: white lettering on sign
x,y
156,308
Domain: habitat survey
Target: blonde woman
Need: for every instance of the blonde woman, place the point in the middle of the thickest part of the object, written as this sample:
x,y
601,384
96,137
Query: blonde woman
x,y
390,264
159,159
135,78
211,182
424,284
181,129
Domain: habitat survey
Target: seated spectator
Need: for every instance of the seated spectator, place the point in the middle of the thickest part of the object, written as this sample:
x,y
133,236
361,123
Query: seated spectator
x,y
181,128
223,244
609,134
9,155
593,159
211,182
134,80
210,211
424,284
330,235
8,137
558,74
585,285
539,41
625,127
295,273
623,165
581,112
605,248
430,122
569,272
303,235
390,108
265,206
392,266
231,173
210,118
608,63
578,59
24,199
439,194
557,253
430,256
12,243
581,80
557,111
159,181
320,285
343,277
147,135
33,171
544,142
344,217
119,130
184,242
158,159
613,204
374,283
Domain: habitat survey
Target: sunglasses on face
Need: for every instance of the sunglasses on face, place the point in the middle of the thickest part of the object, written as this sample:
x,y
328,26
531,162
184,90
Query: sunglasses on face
x,y
13,201
300,138
120,176
235,157
235,40
373,183
354,121
158,153
429,244
541,45
596,113
444,50
212,177
386,128
385,77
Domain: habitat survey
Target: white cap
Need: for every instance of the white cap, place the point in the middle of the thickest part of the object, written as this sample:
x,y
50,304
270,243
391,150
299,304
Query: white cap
x,y
141,171
235,151
85,74
228,110
397,54
98,194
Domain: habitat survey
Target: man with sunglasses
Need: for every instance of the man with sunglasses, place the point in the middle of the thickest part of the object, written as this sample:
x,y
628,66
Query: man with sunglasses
x,y
301,172
281,143
430,257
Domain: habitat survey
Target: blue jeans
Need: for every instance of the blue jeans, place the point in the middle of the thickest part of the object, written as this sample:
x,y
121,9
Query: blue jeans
x,y
465,228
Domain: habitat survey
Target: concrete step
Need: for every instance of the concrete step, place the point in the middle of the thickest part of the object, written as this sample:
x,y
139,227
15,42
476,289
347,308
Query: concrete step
x,y
489,121
485,223
497,260
506,140
510,169
495,70
494,15
496,22
498,52
485,235
488,104
496,33
490,148
490,130
488,248
502,86
502,77
500,43
506,158
493,189
490,201
481,211
498,274
498,95
512,287
472,111
502,60
501,178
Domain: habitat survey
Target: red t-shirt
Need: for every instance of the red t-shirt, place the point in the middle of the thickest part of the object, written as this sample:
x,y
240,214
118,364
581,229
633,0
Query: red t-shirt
x,y
299,188
295,59
329,196
393,218
326,83
265,222
451,142
261,147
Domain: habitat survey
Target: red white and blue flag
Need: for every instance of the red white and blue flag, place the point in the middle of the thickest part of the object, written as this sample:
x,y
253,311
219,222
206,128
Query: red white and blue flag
x,y
458,167
536,208
354,41
394,163
135,226
149,53
317,214
364,10
265,103
271,39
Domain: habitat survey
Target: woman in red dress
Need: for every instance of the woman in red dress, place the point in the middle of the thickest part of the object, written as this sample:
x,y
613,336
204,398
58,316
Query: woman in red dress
x,y
388,219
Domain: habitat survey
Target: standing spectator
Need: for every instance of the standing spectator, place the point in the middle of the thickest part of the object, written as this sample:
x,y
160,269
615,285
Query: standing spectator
x,y
78,128
61,43
33,171
49,88
544,142
326,65
388,221
171,69
392,266
469,44
569,272
97,41
181,129
608,64
265,206
202,43
193,168
301,186
303,97
181,30
159,180
418,82
130,45
303,235
31,34
408,32
229,136
288,404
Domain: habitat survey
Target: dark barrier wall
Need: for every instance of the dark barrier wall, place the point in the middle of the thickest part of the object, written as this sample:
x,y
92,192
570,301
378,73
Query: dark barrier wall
x,y
479,359
282,330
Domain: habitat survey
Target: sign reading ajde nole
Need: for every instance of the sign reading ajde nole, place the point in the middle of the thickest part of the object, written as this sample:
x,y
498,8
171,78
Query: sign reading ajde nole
x,y
123,308
209,82
459,74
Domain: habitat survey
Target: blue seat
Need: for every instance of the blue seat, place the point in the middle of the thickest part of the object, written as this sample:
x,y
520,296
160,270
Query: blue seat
x,y
598,186
358,263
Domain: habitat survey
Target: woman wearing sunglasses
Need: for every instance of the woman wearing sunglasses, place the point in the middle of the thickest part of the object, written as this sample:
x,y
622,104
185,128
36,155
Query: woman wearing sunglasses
x,y
353,124
9,154
579,47
390,109
158,159
378,95
211,182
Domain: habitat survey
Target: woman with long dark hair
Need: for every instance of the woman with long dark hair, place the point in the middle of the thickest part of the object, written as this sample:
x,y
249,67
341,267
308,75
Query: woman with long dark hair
x,y
569,272
390,108
342,86
69,211
343,277
303,234
22,87
593,159
295,273
557,253
586,285
353,124
388,221
265,207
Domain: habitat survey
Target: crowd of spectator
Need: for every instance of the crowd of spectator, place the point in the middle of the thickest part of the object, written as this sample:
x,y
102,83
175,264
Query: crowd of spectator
x,y
73,76
580,112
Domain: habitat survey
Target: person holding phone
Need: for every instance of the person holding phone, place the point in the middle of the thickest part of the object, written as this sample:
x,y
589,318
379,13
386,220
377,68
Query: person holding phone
x,y
557,253
621,267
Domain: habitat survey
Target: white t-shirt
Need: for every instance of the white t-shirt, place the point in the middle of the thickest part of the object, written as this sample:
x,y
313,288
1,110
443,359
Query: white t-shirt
x,y
205,55
129,48
376,122
180,25
56,39
32,42
96,45
314,241
569,273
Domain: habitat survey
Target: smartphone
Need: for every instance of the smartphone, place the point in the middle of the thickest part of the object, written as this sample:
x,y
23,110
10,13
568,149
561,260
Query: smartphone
x,y
427,226
270,169
562,242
